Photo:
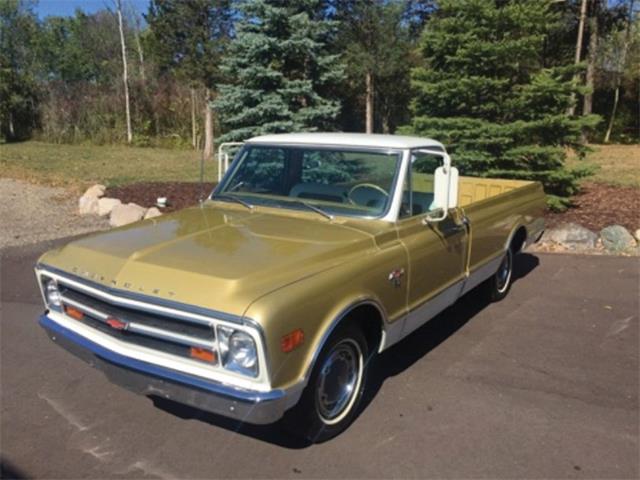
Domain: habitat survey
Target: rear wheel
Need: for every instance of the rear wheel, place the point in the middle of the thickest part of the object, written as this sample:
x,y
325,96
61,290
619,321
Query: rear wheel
x,y
499,284
332,397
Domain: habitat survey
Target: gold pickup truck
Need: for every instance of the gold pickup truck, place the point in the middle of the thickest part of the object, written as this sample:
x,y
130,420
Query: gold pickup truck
x,y
269,300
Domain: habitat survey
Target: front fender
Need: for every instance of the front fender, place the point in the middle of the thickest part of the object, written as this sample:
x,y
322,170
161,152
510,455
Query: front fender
x,y
319,303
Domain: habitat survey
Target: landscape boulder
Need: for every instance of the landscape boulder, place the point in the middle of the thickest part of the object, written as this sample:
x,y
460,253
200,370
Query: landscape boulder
x,y
88,205
572,237
106,205
637,235
616,239
125,214
96,191
152,212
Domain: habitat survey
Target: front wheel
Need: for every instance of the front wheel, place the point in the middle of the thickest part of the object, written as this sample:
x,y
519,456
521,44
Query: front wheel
x,y
499,284
332,397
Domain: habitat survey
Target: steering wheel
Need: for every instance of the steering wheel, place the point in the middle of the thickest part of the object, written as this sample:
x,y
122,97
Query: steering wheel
x,y
371,186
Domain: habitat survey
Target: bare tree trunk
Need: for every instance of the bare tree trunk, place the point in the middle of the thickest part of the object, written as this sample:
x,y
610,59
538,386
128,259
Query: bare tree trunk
x,y
143,76
576,78
369,103
125,75
386,118
12,132
622,60
616,97
208,127
587,105
194,128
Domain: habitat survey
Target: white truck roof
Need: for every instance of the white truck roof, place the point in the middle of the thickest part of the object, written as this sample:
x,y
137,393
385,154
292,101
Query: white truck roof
x,y
349,139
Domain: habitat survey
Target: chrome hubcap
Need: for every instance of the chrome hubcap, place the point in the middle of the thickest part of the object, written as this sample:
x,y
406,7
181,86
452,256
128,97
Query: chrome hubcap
x,y
504,272
339,380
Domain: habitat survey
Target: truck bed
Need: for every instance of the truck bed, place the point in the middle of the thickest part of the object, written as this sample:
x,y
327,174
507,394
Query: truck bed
x,y
493,206
474,189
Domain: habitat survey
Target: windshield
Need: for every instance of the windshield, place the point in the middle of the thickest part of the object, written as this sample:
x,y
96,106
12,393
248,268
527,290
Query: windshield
x,y
333,180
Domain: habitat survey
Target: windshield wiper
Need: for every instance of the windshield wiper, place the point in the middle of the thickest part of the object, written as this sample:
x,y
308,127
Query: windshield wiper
x,y
315,209
233,198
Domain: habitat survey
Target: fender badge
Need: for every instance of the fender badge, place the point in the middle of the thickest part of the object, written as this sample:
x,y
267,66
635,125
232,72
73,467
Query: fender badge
x,y
395,277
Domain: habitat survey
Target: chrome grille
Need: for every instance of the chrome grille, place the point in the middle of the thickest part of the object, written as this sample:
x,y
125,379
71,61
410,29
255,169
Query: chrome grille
x,y
174,336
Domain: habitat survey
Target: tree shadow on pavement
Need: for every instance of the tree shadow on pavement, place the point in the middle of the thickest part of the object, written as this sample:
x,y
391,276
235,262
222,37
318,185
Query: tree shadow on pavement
x,y
390,363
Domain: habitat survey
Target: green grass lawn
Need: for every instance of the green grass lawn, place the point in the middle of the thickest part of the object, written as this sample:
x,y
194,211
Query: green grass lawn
x,y
77,166
615,164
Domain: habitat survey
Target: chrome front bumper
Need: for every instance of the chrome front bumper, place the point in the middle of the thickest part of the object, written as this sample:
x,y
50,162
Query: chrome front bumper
x,y
148,379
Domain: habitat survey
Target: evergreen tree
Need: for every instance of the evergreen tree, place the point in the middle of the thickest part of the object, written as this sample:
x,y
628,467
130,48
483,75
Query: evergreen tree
x,y
485,91
280,71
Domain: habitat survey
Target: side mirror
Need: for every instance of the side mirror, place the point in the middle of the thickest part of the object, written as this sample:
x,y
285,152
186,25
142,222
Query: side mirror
x,y
445,193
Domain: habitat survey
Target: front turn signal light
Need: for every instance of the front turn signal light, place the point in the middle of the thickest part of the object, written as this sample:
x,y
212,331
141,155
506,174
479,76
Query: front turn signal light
x,y
203,354
292,340
73,312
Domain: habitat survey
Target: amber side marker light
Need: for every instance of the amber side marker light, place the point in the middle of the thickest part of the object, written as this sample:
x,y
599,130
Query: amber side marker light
x,y
292,340
203,354
73,312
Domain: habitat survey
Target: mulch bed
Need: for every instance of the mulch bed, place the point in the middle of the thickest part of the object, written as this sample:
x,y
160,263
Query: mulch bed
x,y
596,207
599,205
179,194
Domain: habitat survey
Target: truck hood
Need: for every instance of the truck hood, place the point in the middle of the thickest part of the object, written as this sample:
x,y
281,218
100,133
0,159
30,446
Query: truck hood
x,y
212,257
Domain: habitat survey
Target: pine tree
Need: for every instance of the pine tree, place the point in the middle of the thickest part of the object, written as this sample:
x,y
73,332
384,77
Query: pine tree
x,y
280,69
485,90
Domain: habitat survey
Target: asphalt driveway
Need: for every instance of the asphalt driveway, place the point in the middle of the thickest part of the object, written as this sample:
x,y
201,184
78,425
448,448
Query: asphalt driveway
x,y
543,384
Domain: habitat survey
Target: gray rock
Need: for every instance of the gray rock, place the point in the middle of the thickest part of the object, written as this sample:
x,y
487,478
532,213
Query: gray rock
x,y
125,214
637,234
634,251
105,205
571,236
96,191
88,205
152,213
616,239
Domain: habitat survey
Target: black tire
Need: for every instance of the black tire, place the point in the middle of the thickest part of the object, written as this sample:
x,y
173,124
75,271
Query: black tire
x,y
499,284
313,418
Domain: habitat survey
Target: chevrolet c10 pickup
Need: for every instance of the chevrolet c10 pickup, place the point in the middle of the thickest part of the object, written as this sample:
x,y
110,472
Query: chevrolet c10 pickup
x,y
269,300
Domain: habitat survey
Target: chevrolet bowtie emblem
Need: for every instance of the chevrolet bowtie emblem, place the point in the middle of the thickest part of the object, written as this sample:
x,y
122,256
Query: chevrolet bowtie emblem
x,y
116,324
395,277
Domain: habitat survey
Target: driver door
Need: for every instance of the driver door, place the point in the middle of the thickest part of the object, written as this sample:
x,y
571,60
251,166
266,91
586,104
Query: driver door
x,y
436,251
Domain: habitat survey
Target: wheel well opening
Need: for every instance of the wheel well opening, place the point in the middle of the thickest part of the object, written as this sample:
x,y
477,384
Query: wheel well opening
x,y
369,320
518,240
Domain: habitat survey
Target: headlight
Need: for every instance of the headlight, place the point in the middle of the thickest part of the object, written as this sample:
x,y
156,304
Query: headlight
x,y
52,294
238,351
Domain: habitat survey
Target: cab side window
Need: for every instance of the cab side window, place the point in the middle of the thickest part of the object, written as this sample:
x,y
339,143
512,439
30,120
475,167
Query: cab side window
x,y
417,195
